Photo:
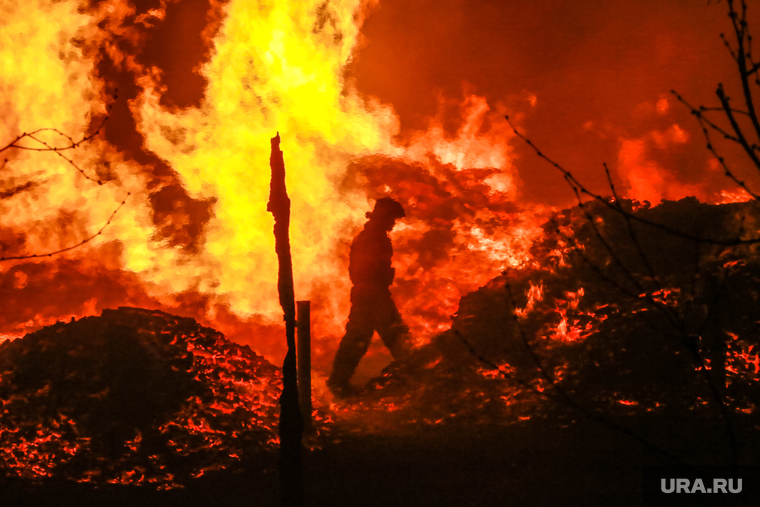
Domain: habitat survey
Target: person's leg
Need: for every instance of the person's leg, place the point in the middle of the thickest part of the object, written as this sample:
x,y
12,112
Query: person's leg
x,y
353,346
391,328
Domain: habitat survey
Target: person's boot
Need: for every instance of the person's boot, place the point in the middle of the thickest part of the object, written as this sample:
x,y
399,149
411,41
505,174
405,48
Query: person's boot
x,y
341,389
340,384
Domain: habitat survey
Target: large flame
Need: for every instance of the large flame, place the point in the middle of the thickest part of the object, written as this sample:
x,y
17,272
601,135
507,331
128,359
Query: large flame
x,y
275,68
272,67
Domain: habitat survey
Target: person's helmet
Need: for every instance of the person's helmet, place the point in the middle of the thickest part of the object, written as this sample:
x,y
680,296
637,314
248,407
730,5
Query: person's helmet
x,y
385,207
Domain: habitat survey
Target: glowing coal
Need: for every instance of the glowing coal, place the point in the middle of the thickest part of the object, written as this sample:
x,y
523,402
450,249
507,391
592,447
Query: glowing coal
x,y
135,397
610,326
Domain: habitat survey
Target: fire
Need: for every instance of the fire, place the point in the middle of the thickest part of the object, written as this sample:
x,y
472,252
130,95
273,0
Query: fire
x,y
535,294
565,331
45,432
739,195
742,358
569,330
194,236
645,177
275,69
272,70
470,149
665,297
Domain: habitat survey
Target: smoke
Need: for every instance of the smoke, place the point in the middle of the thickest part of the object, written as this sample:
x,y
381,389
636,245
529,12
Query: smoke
x,y
564,66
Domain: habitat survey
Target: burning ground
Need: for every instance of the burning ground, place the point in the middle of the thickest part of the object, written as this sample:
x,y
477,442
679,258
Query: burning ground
x,y
583,339
133,397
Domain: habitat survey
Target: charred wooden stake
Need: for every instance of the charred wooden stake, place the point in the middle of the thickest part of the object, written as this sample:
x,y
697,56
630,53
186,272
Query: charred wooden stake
x,y
304,360
291,424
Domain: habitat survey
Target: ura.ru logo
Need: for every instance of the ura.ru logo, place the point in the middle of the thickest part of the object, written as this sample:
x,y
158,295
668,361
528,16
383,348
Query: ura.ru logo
x,y
685,486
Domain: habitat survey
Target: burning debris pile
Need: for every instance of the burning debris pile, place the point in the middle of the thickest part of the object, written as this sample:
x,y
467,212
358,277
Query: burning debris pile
x,y
133,397
625,317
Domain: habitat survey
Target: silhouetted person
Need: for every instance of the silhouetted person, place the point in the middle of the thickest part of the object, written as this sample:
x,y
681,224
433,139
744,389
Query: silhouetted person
x,y
372,308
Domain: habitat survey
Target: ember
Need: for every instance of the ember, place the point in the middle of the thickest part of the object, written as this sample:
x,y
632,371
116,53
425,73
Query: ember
x,y
133,397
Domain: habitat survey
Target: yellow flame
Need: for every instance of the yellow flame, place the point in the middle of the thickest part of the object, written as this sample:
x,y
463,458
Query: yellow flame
x,y
37,50
273,67
276,67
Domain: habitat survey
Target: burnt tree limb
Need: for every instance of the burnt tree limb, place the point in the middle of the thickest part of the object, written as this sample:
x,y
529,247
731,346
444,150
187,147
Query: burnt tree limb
x,y
291,423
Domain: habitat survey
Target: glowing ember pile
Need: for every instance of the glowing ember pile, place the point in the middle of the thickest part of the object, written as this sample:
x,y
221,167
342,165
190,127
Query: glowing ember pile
x,y
614,317
133,397
618,311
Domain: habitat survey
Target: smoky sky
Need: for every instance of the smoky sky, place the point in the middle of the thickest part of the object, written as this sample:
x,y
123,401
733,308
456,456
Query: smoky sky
x,y
597,69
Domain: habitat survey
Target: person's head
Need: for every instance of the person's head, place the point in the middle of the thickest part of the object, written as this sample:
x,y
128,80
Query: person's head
x,y
386,212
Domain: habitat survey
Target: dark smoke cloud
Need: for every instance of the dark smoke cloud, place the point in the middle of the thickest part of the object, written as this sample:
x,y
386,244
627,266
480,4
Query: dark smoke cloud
x,y
594,67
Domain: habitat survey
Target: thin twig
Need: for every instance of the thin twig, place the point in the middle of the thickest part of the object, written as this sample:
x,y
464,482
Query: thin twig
x,y
724,100
46,147
62,250
570,178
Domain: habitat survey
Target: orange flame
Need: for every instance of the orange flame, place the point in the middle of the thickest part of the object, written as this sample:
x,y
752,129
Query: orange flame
x,y
279,68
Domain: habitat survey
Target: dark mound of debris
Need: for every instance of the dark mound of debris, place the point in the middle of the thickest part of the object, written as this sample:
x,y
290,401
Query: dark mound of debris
x,y
133,397
612,314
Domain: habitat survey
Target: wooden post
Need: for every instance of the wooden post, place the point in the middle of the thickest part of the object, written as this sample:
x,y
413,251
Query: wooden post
x,y
303,327
291,424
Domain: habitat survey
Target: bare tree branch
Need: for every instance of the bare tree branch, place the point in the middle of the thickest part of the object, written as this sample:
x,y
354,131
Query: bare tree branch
x,y
62,250
704,120
724,100
711,147
44,146
740,30
582,189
